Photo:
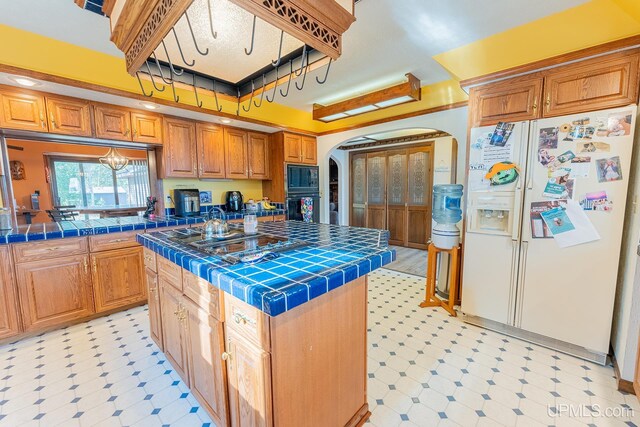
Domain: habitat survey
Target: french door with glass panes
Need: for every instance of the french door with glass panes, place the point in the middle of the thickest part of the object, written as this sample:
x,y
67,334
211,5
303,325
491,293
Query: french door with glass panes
x,y
391,189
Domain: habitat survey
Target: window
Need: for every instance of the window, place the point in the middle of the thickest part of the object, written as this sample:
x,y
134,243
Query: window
x,y
85,183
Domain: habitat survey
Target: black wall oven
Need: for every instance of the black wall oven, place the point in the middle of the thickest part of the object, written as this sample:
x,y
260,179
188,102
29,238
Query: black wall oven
x,y
302,183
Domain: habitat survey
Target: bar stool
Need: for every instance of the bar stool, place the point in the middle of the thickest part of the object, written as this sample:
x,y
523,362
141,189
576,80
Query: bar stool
x,y
431,300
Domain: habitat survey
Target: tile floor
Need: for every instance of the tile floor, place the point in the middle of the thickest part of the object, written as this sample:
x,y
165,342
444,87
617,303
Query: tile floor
x,y
425,369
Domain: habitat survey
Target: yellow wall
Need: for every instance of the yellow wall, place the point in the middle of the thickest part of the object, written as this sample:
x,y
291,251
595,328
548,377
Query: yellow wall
x,y
250,189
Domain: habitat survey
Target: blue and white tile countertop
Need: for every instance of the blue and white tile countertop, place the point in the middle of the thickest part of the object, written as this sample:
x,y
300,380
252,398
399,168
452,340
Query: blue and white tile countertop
x,y
336,255
58,230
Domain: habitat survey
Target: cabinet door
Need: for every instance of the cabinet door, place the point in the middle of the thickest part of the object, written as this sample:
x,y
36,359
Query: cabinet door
x,y
309,150
173,315
146,128
22,110
596,84
9,321
69,116
420,165
207,376
376,190
358,190
258,156
179,149
155,318
397,196
236,153
508,101
292,148
118,278
54,291
210,151
249,372
112,123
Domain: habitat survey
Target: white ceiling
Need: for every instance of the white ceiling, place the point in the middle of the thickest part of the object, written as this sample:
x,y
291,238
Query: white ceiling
x,y
389,39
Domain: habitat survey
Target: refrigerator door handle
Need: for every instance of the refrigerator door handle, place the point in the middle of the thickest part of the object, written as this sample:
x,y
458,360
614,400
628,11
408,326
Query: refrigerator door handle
x,y
516,223
521,158
513,281
521,283
532,154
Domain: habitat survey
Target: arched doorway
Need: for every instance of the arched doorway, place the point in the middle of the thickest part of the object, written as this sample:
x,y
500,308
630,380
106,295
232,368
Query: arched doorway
x,y
334,193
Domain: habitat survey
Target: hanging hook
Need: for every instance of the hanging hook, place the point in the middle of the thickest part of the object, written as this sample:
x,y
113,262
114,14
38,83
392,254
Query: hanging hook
x,y
246,110
152,79
277,63
213,33
253,36
193,62
238,108
215,95
275,86
171,69
160,69
304,55
288,81
176,98
142,87
193,36
304,78
326,75
195,90
264,82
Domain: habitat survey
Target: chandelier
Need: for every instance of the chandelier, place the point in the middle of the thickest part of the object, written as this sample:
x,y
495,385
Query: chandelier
x,y
235,49
114,160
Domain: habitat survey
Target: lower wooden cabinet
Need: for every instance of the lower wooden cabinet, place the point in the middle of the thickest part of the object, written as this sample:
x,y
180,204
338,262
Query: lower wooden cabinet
x,y
9,320
207,375
54,291
173,327
118,278
155,314
248,370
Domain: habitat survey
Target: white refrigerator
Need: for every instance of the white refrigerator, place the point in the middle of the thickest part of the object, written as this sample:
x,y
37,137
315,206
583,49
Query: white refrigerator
x,y
520,276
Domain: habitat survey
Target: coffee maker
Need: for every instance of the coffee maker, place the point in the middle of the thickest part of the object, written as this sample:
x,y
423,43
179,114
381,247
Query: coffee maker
x,y
187,202
234,201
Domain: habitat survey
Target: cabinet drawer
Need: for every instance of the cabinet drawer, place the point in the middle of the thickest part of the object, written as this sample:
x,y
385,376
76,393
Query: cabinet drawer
x,y
170,272
105,242
203,293
24,252
248,321
150,260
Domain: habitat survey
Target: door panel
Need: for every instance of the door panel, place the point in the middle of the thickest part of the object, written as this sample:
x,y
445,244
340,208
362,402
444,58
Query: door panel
x,y
358,190
419,187
258,148
520,100
9,321
292,148
210,151
172,328
118,278
236,148
69,116
146,128
113,123
397,196
309,150
376,190
155,316
22,110
180,148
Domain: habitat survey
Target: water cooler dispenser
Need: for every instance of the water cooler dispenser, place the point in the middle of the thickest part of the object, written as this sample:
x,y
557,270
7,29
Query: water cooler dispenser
x,y
446,213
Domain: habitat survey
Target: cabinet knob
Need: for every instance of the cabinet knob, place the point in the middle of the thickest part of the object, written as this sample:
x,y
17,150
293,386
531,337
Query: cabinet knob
x,y
226,356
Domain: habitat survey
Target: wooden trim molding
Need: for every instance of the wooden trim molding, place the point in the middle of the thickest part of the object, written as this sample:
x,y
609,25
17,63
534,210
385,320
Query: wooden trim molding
x,y
623,385
107,7
391,141
554,61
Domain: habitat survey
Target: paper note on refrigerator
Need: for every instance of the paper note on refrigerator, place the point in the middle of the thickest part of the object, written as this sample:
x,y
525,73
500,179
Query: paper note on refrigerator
x,y
570,227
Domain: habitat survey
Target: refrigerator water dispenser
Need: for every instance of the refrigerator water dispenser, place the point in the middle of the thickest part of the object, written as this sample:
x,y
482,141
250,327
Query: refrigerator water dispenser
x,y
491,213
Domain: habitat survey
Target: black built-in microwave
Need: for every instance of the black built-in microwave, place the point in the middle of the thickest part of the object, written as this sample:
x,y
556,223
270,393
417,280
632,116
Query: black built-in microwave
x,y
302,180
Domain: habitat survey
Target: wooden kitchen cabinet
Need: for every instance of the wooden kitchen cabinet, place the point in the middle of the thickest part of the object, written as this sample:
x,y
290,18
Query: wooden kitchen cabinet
x,y
69,116
594,84
173,327
22,110
207,373
248,371
155,310
211,154
309,150
9,320
258,153
520,99
112,122
236,150
146,128
118,278
292,148
54,291
179,149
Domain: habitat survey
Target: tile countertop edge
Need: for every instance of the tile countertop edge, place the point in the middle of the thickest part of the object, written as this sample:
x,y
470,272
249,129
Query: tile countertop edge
x,y
271,302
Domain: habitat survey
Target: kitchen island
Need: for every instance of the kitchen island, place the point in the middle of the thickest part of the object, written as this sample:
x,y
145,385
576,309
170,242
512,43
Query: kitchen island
x,y
280,342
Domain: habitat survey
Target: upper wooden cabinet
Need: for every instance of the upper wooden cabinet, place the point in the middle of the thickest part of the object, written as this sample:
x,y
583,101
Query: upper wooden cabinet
x,y
112,122
69,116
179,149
211,156
300,149
22,110
9,321
519,100
258,152
146,127
236,150
594,84
118,278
